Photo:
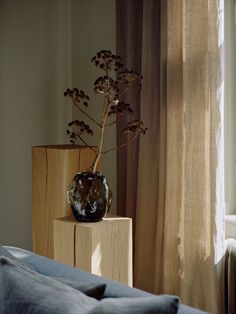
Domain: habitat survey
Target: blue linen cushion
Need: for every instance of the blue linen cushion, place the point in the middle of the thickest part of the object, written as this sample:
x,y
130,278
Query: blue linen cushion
x,y
23,291
162,304
114,289
93,290
6,253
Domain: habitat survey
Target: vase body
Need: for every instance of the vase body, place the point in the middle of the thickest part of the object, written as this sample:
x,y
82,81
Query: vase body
x,y
89,196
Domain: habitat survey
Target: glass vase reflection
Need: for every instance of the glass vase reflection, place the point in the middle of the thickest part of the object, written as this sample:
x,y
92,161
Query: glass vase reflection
x,y
89,196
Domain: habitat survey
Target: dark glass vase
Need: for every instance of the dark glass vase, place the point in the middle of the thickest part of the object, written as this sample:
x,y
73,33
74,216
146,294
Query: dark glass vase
x,y
89,196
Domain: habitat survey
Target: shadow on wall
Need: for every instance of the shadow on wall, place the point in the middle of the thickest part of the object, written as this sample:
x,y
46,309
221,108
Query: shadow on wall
x,y
39,43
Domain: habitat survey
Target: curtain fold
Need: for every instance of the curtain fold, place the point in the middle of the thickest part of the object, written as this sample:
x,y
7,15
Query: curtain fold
x,y
129,46
178,202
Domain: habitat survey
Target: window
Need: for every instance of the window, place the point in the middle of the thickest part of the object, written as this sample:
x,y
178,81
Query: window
x,y
230,115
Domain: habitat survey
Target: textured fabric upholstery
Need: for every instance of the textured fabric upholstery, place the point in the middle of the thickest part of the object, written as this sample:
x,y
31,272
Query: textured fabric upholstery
x,y
25,291
114,289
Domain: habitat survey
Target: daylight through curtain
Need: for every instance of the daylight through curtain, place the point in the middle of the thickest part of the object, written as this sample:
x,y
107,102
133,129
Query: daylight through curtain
x,y
179,203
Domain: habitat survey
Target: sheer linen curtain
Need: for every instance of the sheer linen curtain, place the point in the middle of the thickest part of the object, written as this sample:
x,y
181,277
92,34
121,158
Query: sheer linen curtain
x,y
178,169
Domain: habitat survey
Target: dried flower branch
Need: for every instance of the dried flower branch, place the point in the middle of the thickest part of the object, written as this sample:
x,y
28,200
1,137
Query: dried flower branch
x,y
111,89
135,126
120,109
107,61
76,129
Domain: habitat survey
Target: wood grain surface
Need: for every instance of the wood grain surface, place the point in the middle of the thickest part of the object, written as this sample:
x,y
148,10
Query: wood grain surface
x,y
53,168
103,248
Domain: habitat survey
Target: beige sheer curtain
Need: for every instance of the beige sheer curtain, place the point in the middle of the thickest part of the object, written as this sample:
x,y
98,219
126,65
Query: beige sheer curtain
x,y
179,205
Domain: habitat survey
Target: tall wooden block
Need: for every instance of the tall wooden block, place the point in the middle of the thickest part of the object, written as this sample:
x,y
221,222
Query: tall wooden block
x,y
103,248
53,168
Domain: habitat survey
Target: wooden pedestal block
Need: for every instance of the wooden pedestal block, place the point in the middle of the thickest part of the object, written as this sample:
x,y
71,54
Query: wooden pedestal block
x,y
53,168
103,248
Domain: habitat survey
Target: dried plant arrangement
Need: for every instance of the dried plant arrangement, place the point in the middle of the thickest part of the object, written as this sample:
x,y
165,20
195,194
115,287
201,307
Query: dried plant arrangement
x,y
111,86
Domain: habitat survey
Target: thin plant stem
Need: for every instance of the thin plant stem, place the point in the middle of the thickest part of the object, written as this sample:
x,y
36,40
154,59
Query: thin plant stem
x,y
85,113
114,122
104,118
124,90
90,147
121,145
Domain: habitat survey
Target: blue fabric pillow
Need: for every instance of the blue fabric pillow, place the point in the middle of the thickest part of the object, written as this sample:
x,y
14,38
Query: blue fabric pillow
x,y
93,290
23,291
162,304
5,253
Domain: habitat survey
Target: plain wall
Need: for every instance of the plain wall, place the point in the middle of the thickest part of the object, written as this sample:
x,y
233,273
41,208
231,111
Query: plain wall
x,y
93,29
39,59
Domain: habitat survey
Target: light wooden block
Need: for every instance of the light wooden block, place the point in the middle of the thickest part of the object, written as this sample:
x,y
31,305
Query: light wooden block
x,y
53,168
103,248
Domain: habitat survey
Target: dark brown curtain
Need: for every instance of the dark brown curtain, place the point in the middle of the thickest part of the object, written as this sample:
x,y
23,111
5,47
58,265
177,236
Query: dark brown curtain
x,y
130,47
142,54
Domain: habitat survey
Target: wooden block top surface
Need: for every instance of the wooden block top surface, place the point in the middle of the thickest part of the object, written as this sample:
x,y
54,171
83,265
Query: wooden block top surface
x,y
107,219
